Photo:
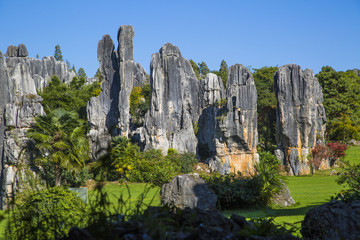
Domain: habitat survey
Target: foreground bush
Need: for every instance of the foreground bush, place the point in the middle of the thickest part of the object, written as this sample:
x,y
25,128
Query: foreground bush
x,y
235,191
46,214
127,163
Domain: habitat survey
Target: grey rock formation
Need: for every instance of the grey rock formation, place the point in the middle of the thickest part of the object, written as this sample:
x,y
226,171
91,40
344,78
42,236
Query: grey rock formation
x,y
188,191
333,221
174,105
12,51
42,70
300,116
283,197
19,51
108,114
236,125
22,51
19,104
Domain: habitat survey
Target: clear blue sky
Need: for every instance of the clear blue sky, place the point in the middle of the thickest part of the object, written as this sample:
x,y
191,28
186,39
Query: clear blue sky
x,y
257,33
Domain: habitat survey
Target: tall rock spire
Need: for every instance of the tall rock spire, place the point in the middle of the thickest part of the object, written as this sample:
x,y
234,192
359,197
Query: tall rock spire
x,y
300,116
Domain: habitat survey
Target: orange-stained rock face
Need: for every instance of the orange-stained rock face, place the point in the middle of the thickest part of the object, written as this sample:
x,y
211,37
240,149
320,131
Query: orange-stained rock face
x,y
301,117
239,160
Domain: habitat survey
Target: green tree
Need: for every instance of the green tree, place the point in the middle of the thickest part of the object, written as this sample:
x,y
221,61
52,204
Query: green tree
x,y
195,68
203,69
71,97
60,140
81,73
58,54
224,72
342,103
266,106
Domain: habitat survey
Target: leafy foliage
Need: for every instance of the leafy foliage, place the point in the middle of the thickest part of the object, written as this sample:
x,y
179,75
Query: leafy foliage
x,y
268,168
73,97
235,191
139,103
266,106
342,103
128,163
60,140
203,69
337,149
46,214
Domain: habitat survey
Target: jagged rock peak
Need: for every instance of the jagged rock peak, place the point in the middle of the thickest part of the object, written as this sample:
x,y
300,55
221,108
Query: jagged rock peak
x,y
300,116
170,50
19,51
108,114
175,103
126,48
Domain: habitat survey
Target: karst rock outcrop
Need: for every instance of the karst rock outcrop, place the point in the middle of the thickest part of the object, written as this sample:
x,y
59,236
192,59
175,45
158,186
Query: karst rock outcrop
x,y
300,116
188,191
228,123
19,104
334,220
175,104
108,113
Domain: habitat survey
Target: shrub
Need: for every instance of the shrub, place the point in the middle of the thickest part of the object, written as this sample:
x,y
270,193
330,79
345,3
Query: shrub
x,y
128,163
338,149
268,169
46,214
235,191
350,178
319,153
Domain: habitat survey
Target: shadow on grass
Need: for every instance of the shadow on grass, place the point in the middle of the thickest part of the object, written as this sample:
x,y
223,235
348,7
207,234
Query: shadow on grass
x,y
272,212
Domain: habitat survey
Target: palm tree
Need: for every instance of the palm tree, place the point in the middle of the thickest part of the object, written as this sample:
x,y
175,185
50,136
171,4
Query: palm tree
x,y
60,138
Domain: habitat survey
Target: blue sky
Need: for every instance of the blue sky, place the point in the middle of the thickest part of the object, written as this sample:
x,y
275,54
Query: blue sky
x,y
257,33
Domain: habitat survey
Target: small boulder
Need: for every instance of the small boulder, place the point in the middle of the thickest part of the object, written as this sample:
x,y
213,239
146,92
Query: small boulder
x,y
333,220
188,191
283,197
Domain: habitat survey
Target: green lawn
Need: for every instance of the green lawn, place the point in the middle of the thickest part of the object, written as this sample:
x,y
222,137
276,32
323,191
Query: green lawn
x,y
353,155
307,191
130,194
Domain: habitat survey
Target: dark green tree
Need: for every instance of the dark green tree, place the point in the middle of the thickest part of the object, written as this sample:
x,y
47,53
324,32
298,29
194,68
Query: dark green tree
x,y
266,106
58,54
224,72
342,103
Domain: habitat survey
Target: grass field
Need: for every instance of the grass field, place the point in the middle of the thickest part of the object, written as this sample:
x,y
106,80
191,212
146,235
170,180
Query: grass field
x,y
353,155
307,191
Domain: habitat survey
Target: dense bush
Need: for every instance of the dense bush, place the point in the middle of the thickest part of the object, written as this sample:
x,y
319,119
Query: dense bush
x,y
70,177
337,149
235,191
268,169
139,104
319,153
46,214
127,163
71,97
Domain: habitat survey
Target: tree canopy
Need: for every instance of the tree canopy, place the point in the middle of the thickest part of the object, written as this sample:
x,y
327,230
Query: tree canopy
x,y
71,97
342,103
266,105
